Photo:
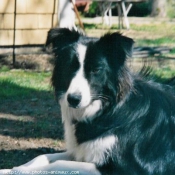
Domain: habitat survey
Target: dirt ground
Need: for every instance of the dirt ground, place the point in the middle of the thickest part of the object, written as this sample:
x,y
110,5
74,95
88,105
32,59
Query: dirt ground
x,y
29,126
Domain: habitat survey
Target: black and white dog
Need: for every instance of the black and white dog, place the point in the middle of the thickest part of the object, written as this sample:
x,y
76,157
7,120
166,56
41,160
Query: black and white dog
x,y
116,123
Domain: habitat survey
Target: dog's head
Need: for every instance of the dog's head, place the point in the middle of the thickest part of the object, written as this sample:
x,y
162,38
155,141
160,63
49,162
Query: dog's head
x,y
87,69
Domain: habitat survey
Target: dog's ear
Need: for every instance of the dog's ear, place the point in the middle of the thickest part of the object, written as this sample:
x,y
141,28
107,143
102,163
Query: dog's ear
x,y
61,38
127,45
116,45
117,48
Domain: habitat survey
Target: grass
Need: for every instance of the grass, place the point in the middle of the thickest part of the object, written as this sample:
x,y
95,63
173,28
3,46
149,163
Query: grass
x,y
164,41
30,79
164,73
20,83
152,27
157,34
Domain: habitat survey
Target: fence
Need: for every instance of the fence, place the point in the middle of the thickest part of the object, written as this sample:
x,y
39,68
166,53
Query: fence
x,y
24,22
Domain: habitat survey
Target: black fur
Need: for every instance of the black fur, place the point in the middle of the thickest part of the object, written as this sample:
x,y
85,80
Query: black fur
x,y
140,112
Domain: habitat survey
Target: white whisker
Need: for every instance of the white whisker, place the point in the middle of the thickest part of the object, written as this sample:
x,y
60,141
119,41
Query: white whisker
x,y
100,96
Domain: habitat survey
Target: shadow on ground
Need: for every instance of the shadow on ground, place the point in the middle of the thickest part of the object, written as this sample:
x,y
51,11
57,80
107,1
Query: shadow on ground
x,y
29,113
30,124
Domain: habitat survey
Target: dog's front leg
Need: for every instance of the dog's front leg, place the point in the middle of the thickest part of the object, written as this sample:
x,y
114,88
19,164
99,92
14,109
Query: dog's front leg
x,y
60,167
70,167
39,161
44,160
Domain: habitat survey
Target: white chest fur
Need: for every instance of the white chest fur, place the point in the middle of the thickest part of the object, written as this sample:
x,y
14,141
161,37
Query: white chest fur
x,y
94,151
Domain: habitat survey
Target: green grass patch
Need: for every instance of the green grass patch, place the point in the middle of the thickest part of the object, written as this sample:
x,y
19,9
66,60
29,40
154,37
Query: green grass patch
x,y
152,27
28,79
145,27
90,26
163,73
4,69
22,84
156,42
96,26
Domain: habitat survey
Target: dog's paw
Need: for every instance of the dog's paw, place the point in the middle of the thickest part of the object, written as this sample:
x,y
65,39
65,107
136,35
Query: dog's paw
x,y
5,171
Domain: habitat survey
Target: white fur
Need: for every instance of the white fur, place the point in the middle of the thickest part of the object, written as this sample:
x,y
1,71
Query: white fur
x,y
58,166
92,151
95,151
79,84
44,160
79,114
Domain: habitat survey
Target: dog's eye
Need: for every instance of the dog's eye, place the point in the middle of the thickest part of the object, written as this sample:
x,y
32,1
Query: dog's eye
x,y
96,70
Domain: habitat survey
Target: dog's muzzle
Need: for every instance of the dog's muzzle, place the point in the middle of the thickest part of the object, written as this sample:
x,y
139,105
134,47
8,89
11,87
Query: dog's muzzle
x,y
74,100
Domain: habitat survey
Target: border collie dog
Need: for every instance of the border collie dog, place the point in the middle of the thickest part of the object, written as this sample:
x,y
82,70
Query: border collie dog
x,y
116,122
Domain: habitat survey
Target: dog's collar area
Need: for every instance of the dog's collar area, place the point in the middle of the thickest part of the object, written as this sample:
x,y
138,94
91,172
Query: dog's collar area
x,y
99,126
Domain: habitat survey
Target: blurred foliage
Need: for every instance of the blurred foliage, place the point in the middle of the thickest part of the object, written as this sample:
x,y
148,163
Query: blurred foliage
x,y
140,9
93,10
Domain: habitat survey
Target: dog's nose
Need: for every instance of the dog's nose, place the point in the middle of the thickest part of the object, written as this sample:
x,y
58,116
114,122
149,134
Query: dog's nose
x,y
74,100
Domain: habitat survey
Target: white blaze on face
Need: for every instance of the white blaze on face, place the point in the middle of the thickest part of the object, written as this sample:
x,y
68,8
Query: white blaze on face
x,y
79,84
